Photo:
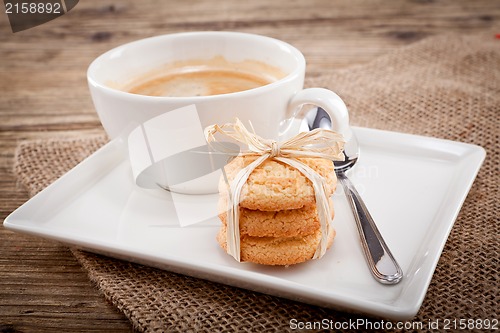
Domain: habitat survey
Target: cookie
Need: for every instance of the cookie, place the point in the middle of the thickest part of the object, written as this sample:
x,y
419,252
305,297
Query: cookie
x,y
284,223
275,186
277,250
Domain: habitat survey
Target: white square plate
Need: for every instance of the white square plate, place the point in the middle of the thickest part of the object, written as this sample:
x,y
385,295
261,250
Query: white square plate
x,y
414,187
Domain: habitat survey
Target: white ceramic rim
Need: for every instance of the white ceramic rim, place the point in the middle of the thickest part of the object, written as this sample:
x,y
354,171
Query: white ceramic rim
x,y
297,55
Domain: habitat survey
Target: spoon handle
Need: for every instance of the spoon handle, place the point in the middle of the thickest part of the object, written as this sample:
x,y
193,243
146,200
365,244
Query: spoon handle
x,y
380,259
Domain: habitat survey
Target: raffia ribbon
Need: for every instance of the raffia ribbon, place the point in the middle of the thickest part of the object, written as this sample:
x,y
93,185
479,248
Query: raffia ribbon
x,y
318,143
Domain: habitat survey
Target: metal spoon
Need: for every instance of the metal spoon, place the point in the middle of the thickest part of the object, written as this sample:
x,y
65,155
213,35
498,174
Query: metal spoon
x,y
382,264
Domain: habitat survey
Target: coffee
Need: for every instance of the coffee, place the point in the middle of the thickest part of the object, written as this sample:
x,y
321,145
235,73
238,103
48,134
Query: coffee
x,y
204,78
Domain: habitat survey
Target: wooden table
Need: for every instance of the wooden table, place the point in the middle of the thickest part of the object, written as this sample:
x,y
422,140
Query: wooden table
x,y
44,95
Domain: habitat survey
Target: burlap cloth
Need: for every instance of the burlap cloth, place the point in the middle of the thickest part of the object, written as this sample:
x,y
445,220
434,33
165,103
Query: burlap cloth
x,y
446,87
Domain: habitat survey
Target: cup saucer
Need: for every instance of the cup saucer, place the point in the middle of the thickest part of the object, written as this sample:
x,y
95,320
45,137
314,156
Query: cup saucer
x,y
96,206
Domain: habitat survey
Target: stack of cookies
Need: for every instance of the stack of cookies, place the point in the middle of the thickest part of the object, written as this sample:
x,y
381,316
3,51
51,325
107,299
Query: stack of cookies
x,y
279,223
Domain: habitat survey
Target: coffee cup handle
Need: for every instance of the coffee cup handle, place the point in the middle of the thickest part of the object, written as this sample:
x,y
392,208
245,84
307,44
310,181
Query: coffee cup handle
x,y
328,101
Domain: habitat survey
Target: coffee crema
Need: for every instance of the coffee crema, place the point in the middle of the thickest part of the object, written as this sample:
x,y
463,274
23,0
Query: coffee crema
x,y
214,76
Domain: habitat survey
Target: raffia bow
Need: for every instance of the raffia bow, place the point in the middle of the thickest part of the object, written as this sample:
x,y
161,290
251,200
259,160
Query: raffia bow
x,y
319,143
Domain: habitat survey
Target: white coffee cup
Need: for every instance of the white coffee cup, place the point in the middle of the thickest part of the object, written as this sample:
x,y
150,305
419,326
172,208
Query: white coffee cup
x,y
274,110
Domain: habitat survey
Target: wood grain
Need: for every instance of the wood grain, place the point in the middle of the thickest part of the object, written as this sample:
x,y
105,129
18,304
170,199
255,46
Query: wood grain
x,y
44,94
